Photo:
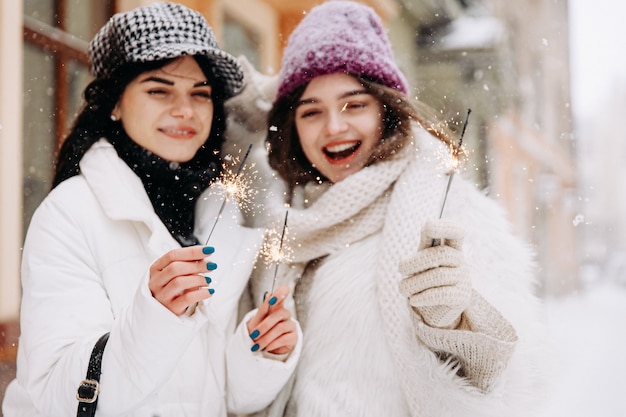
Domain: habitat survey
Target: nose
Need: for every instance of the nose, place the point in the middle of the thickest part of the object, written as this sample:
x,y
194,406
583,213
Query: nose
x,y
336,123
182,107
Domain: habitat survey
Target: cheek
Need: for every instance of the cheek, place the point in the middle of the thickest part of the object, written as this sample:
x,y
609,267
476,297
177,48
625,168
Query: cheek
x,y
373,132
307,141
134,125
207,125
206,115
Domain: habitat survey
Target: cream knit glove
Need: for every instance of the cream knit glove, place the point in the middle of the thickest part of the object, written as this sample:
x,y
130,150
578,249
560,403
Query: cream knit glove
x,y
437,281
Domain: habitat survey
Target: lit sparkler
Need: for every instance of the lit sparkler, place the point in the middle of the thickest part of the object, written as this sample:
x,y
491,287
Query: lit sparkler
x,y
454,163
234,186
454,166
273,250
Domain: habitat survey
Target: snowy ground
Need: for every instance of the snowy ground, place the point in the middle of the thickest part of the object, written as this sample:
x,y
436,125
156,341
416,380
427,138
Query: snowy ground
x,y
587,334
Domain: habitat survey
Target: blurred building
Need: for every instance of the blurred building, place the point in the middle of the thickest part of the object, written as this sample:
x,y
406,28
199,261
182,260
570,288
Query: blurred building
x,y
510,65
508,62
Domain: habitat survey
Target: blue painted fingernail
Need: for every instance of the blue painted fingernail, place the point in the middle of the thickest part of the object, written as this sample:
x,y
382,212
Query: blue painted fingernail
x,y
207,250
208,280
272,301
211,266
255,347
254,334
211,291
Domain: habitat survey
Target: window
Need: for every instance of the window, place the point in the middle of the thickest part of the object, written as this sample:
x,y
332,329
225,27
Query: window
x,y
56,36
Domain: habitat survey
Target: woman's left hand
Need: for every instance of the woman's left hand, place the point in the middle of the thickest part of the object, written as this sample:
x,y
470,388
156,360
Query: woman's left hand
x,y
271,328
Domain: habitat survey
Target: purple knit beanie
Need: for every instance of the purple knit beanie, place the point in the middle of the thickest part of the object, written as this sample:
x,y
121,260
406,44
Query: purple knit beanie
x,y
339,36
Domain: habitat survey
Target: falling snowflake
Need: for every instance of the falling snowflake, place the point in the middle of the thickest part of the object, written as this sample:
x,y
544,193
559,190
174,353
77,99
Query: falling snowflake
x,y
578,219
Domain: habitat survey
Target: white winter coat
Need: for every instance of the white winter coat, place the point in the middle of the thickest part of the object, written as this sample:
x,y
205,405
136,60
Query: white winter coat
x,y
85,273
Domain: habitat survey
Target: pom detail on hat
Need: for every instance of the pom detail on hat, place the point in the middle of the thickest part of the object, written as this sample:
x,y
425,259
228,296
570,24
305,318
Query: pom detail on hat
x,y
160,31
339,36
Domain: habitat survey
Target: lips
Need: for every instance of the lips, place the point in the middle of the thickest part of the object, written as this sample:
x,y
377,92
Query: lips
x,y
340,152
179,132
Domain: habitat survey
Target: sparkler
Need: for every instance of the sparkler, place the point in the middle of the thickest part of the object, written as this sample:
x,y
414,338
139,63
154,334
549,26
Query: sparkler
x,y
233,187
279,254
455,155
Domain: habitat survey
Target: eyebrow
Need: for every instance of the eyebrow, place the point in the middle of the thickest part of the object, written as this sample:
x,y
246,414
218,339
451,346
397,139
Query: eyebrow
x,y
168,82
344,95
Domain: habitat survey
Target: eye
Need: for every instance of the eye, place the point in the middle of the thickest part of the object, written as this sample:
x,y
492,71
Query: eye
x,y
305,112
157,92
309,113
355,105
203,95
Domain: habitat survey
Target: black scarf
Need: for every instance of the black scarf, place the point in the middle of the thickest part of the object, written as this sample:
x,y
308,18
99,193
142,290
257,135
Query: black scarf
x,y
173,188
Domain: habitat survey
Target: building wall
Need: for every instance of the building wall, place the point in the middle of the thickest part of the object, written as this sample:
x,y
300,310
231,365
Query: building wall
x,y
10,157
10,184
542,116
510,65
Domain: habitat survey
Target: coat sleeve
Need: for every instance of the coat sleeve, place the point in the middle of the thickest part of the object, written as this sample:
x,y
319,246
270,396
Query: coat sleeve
x,y
253,379
482,344
65,309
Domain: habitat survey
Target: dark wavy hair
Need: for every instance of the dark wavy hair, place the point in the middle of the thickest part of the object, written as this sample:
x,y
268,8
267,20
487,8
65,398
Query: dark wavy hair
x,y
287,157
101,96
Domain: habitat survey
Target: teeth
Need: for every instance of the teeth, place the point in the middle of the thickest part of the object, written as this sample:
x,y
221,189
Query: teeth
x,y
341,147
177,132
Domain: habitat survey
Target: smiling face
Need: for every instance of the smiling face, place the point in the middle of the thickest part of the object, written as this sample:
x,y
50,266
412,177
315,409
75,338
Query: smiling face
x,y
338,124
168,111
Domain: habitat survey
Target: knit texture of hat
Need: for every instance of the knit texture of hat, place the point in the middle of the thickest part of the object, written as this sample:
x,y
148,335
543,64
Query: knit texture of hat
x,y
161,31
339,36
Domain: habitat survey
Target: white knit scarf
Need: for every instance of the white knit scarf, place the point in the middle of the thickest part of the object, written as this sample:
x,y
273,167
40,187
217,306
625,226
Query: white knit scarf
x,y
346,212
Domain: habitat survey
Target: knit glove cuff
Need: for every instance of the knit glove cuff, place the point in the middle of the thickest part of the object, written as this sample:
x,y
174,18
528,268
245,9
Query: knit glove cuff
x,y
483,343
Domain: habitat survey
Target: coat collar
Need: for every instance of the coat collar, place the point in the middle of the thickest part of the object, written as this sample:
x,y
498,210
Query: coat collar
x,y
121,193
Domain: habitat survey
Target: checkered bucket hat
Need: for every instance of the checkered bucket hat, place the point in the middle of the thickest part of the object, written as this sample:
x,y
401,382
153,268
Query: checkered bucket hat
x,y
160,31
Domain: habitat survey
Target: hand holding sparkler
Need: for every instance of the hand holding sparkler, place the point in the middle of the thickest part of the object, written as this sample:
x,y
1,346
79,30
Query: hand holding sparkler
x,y
436,278
273,331
272,328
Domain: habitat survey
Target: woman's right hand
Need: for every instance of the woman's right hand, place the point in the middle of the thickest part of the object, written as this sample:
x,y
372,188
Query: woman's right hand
x,y
176,280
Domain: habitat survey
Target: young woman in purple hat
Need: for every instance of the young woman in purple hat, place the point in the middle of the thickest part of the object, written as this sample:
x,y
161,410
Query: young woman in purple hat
x,y
403,313
117,249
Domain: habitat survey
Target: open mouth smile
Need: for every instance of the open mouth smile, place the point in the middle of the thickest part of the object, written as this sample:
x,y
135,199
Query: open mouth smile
x,y
340,152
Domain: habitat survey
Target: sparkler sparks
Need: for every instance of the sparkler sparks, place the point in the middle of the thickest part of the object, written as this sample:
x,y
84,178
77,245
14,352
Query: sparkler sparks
x,y
273,250
454,163
239,187
236,187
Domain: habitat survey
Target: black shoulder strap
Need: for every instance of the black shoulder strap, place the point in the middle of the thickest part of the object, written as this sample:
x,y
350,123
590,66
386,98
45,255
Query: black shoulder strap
x,y
87,393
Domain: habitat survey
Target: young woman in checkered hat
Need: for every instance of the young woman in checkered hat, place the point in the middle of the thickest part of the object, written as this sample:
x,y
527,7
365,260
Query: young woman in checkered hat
x,y
117,247
403,313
